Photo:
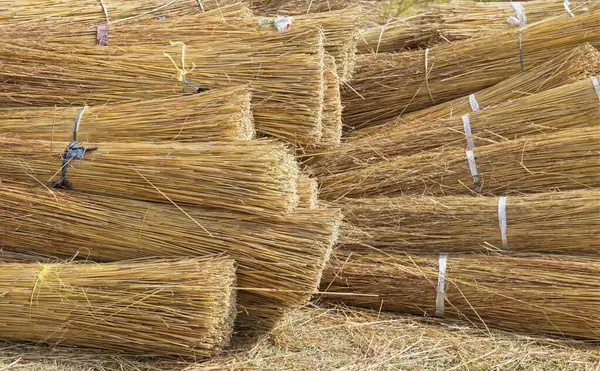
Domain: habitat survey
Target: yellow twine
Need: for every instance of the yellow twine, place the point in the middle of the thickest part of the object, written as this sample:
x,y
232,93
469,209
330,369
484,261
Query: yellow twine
x,y
39,279
181,72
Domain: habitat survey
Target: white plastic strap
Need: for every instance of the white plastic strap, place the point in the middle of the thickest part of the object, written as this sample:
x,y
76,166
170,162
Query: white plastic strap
x,y
467,129
473,168
502,220
568,8
200,5
473,102
520,19
283,23
596,86
441,291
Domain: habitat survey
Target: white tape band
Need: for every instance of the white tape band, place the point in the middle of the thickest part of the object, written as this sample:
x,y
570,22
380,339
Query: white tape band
x,y
568,8
201,5
467,129
596,86
502,220
441,291
520,20
473,102
473,168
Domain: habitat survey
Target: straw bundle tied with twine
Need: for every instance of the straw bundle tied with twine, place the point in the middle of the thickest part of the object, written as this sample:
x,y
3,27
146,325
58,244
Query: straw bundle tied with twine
x,y
167,307
217,115
387,86
565,160
280,259
575,105
550,295
256,177
564,68
558,222
287,85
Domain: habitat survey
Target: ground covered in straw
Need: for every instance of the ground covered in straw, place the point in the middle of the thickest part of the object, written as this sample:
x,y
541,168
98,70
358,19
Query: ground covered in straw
x,y
342,338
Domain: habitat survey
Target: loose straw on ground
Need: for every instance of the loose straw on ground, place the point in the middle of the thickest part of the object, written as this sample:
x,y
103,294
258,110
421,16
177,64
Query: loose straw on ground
x,y
167,307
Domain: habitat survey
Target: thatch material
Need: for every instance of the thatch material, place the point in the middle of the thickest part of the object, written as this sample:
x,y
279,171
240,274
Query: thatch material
x,y
558,222
217,115
257,177
556,296
459,20
169,307
574,105
308,192
386,86
286,82
297,7
332,108
565,160
395,36
280,259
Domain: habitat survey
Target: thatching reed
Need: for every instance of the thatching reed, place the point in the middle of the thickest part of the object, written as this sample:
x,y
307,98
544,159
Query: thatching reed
x,y
574,105
256,177
166,307
216,115
387,85
557,222
280,259
395,36
298,7
286,83
459,20
549,295
567,67
565,160
332,108
308,192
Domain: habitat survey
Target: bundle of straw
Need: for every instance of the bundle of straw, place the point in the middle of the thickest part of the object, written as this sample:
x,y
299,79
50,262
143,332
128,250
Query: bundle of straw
x,y
165,307
559,222
567,67
332,108
257,177
550,295
280,259
217,115
287,84
297,7
395,36
386,86
575,105
565,160
459,20
308,192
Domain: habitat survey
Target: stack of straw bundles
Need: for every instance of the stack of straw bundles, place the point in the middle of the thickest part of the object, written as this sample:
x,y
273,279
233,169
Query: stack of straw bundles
x,y
564,68
216,115
459,20
287,84
575,105
558,222
257,177
280,259
166,307
550,295
568,159
386,86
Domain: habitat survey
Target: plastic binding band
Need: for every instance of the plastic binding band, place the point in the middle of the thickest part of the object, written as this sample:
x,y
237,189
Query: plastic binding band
x,y
440,297
596,86
568,8
467,129
473,102
473,168
201,5
502,220
520,20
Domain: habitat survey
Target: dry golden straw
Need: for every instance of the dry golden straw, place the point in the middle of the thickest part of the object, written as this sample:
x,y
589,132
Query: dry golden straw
x,y
332,109
257,177
386,86
280,259
397,35
557,222
308,192
166,307
548,295
574,105
297,7
217,115
565,160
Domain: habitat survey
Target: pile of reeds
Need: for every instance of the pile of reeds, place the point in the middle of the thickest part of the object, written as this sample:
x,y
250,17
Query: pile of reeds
x,y
287,84
280,259
395,36
568,159
387,85
573,105
216,115
257,177
557,222
169,307
549,295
